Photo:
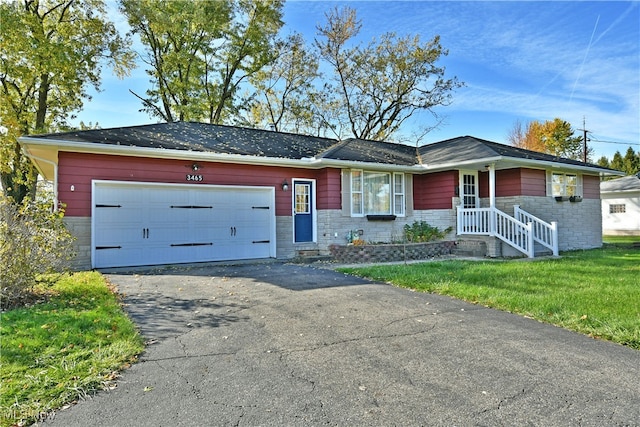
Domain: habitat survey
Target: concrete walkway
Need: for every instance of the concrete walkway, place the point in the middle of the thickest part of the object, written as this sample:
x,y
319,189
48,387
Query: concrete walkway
x,y
281,344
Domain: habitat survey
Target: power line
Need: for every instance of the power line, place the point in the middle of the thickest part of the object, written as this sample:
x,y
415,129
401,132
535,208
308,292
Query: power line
x,y
594,139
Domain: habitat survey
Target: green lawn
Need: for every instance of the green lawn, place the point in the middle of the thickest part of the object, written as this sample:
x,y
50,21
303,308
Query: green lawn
x,y
621,239
58,351
595,292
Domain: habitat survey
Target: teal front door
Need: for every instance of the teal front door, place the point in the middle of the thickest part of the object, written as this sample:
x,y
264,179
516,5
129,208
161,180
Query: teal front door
x,y
303,211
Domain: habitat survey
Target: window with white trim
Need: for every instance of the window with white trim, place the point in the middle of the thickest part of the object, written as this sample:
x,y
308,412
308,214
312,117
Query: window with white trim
x,y
560,184
356,193
377,193
398,194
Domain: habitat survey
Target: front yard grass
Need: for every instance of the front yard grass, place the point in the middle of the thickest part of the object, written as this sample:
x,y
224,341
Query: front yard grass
x,y
58,351
594,292
621,240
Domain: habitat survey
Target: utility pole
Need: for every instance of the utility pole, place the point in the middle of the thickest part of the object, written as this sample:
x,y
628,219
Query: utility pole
x,y
584,139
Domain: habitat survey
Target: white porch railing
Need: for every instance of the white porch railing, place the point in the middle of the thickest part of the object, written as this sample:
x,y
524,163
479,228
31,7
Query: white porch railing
x,y
494,222
543,232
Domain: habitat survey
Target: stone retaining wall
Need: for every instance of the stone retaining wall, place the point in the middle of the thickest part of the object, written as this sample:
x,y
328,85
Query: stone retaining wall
x,y
352,254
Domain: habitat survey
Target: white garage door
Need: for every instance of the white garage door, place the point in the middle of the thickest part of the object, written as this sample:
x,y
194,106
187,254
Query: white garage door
x,y
150,224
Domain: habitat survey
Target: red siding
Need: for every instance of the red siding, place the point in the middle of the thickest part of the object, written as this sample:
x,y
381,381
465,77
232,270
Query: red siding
x,y
77,170
515,182
435,190
483,184
590,187
533,182
328,188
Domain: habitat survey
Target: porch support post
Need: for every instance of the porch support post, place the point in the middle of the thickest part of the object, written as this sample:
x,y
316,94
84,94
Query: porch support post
x,y
492,185
492,197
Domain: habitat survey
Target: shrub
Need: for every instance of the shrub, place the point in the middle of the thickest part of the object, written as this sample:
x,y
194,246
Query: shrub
x,y
33,240
420,232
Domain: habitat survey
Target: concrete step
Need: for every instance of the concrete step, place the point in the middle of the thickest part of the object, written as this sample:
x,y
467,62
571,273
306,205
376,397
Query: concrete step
x,y
473,248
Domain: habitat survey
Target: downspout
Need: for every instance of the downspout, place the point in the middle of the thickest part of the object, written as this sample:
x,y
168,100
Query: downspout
x,y
55,176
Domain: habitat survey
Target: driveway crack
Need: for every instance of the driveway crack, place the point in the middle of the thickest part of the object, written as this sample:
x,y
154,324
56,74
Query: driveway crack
x,y
352,340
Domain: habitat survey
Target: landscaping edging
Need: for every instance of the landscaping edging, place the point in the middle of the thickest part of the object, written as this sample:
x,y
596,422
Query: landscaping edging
x,y
354,254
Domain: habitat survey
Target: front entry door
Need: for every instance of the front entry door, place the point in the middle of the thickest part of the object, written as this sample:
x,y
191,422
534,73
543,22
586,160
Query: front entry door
x,y
469,187
303,211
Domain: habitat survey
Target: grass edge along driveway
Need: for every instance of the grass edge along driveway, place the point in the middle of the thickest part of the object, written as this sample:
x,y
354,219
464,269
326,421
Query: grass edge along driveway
x,y
60,350
594,292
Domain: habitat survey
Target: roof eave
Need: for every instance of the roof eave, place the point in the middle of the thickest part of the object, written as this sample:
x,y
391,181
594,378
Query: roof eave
x,y
628,191
55,146
369,165
538,164
48,149
438,167
566,166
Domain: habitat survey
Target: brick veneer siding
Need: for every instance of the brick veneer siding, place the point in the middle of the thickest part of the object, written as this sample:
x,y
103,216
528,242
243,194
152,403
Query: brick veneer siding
x,y
350,254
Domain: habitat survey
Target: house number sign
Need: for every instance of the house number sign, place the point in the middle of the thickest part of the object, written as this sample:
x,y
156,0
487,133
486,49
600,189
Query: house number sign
x,y
197,178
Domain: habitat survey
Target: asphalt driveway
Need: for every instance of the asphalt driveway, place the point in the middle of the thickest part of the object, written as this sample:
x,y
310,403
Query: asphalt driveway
x,y
280,344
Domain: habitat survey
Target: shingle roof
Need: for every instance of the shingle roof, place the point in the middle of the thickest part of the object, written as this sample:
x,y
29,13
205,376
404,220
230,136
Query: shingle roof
x,y
627,183
372,151
465,148
221,139
203,137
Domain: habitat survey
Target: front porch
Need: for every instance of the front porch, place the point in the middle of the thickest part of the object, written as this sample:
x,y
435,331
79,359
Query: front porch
x,y
523,231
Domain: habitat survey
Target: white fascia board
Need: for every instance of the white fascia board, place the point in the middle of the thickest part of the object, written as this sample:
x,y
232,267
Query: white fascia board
x,y
309,163
382,167
531,163
161,153
548,165
619,192
438,167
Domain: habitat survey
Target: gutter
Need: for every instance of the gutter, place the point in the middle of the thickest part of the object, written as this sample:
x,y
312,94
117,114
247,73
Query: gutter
x,y
536,164
306,162
162,153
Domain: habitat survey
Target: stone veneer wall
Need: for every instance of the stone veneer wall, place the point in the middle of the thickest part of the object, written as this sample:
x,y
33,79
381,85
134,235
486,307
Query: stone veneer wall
x,y
579,227
333,227
80,228
579,224
352,254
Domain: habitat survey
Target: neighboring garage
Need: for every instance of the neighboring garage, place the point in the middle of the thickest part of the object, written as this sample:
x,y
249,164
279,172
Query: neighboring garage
x,y
137,223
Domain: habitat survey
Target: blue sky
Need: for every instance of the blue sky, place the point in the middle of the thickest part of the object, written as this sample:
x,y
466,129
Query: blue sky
x,y
519,60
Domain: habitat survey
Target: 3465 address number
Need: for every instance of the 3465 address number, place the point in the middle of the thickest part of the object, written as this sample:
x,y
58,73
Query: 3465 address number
x,y
196,178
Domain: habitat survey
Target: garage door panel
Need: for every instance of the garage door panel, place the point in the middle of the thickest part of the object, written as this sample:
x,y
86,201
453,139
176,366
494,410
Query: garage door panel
x,y
162,224
106,257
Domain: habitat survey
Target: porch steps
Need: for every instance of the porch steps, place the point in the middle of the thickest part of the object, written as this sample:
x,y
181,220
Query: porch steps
x,y
309,256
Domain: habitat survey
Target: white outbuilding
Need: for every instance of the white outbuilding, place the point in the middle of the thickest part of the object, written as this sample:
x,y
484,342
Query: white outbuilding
x,y
621,206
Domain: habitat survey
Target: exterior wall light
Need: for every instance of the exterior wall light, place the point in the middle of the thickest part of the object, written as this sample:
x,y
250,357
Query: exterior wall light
x,y
285,185
195,167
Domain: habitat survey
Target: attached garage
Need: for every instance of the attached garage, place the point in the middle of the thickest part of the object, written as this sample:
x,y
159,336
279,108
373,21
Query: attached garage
x,y
137,223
